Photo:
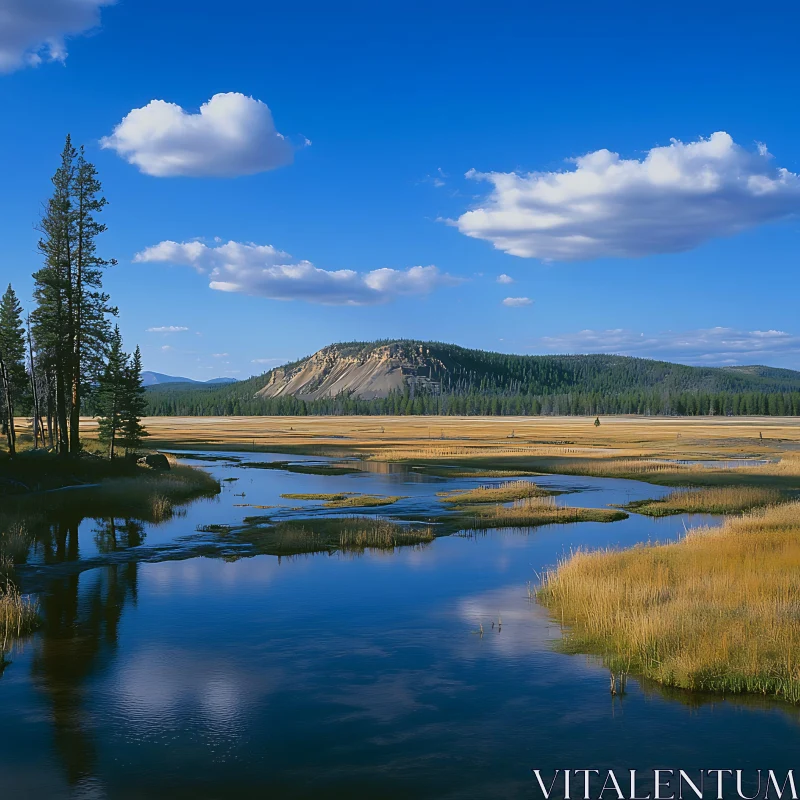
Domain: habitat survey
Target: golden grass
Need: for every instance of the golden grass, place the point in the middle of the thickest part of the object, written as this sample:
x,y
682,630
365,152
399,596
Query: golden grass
x,y
502,493
714,500
535,511
363,501
383,534
670,437
718,611
18,615
628,447
347,499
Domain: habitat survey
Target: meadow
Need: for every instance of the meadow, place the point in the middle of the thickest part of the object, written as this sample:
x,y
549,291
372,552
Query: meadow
x,y
641,448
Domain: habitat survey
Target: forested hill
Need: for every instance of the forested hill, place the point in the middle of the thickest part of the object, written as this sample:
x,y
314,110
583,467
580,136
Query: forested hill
x,y
412,377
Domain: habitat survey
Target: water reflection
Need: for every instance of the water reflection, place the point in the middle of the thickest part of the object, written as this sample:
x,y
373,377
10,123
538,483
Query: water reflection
x,y
334,675
112,534
78,639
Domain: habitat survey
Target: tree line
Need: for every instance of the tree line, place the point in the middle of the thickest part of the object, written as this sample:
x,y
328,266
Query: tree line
x,y
464,382
65,356
195,402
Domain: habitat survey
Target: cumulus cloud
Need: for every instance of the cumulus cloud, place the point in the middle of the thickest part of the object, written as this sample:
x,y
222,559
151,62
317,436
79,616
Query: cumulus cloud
x,y
710,346
36,31
505,278
674,199
265,271
517,302
231,135
168,329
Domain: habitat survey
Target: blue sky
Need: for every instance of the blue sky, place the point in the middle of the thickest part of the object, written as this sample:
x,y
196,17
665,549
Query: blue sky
x,y
379,112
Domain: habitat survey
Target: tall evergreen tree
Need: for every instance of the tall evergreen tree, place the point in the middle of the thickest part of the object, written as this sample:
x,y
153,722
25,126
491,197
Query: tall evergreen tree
x,y
111,394
13,378
91,303
70,323
52,318
134,405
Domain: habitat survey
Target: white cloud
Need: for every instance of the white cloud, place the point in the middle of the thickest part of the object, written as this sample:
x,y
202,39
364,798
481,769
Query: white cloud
x,y
231,135
35,31
220,355
704,346
166,347
167,329
517,302
674,199
505,278
265,271
438,179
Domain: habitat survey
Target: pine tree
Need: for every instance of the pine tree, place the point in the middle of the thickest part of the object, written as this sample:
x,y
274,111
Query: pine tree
x,y
111,394
91,304
52,319
134,405
70,323
13,378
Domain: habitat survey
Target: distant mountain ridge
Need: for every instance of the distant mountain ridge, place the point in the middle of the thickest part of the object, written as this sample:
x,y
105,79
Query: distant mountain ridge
x,y
417,377
373,370
158,378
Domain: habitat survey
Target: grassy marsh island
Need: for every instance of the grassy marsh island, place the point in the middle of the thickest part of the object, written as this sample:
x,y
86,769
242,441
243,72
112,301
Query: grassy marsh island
x,y
346,534
502,493
347,499
533,511
718,611
713,500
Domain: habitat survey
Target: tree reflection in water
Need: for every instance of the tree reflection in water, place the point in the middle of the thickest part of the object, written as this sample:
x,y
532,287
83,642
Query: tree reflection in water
x,y
111,534
81,616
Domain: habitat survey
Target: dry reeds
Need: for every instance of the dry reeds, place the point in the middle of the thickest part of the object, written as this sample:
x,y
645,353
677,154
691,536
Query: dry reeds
x,y
718,611
714,500
14,542
382,534
329,534
161,508
19,615
501,493
534,511
347,499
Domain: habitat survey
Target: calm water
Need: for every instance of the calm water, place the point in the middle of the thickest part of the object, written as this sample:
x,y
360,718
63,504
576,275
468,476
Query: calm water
x,y
336,676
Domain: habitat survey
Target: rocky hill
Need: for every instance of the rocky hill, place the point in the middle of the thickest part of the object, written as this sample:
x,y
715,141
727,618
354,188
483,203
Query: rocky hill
x,y
367,372
415,377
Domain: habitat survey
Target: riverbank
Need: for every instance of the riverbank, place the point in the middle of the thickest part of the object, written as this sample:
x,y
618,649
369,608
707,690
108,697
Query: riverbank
x,y
718,611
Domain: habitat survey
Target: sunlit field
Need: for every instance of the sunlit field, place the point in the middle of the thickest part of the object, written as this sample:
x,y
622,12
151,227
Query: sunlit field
x,y
645,448
717,611
406,437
